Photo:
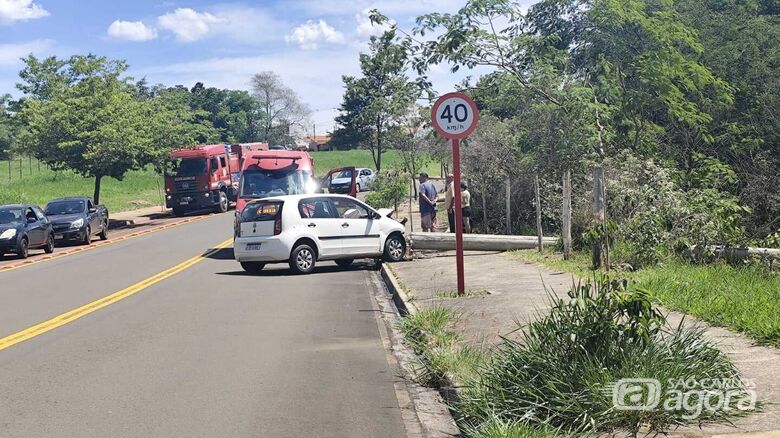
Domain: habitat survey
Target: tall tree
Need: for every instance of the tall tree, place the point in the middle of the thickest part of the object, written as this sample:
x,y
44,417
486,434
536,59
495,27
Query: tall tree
x,y
8,127
89,122
281,106
379,99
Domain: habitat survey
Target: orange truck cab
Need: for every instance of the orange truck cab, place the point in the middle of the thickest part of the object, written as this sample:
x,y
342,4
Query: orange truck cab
x,y
275,173
205,176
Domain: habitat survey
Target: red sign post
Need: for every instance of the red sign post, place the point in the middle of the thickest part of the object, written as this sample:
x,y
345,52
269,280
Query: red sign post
x,y
455,116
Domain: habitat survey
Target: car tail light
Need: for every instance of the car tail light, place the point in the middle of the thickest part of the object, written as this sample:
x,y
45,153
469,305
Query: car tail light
x,y
278,224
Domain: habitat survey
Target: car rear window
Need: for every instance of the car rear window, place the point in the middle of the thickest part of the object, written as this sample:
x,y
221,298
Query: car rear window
x,y
261,211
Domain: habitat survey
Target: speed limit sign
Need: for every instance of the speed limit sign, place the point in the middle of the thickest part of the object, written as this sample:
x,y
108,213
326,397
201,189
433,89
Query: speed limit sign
x,y
455,115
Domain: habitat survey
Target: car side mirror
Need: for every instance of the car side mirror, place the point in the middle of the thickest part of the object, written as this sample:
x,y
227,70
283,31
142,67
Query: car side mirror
x,y
93,210
31,220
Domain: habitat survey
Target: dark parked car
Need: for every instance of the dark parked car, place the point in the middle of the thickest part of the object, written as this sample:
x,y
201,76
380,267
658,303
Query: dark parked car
x,y
24,227
77,219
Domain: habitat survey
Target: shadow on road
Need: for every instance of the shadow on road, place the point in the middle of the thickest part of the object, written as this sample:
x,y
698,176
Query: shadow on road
x,y
221,254
280,270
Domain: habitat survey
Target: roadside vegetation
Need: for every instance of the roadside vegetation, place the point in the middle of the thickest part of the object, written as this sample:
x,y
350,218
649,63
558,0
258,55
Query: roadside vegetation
x,y
138,189
743,297
554,378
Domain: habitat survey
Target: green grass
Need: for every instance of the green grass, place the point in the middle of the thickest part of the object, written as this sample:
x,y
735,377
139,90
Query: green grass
x,y
326,160
742,298
441,357
746,299
139,189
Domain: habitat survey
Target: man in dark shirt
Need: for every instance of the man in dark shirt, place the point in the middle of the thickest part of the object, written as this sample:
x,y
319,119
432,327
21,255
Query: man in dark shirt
x,y
427,196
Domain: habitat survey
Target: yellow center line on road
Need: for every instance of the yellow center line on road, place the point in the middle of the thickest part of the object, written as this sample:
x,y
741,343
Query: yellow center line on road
x,y
98,304
80,249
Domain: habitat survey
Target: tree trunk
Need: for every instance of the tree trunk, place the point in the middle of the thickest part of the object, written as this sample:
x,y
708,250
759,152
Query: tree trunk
x,y
96,195
508,206
538,214
483,195
378,147
566,213
598,214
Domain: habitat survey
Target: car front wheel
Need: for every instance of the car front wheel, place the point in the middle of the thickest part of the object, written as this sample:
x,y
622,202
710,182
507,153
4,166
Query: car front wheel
x,y
23,248
395,248
302,259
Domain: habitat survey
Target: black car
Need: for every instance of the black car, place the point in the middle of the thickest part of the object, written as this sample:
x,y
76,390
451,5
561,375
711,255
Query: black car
x,y
24,227
77,219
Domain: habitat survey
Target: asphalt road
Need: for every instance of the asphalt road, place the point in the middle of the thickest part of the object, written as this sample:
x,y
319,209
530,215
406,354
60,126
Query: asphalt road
x,y
200,351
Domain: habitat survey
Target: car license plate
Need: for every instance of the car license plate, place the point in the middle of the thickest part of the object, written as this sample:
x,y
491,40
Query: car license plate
x,y
184,202
58,236
253,246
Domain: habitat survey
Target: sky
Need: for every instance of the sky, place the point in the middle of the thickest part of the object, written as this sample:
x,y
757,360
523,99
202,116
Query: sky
x,y
309,43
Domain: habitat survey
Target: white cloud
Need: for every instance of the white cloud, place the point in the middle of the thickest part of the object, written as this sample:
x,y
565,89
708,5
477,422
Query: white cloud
x,y
11,53
189,25
310,35
131,31
20,10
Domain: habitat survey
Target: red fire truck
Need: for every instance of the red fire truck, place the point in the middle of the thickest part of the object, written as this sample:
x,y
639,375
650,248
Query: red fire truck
x,y
275,173
206,176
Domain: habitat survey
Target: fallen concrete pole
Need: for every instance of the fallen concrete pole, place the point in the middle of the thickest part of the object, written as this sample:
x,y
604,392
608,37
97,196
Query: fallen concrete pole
x,y
476,242
743,253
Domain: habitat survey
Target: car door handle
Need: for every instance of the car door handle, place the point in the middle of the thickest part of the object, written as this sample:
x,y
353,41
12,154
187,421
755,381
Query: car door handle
x,y
311,225
344,225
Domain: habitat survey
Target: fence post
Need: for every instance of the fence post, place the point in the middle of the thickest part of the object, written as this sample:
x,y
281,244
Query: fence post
x,y
538,211
566,213
508,206
599,215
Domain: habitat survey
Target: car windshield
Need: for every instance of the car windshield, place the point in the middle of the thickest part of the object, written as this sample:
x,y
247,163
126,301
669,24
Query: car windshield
x,y
190,167
10,215
257,183
346,173
65,207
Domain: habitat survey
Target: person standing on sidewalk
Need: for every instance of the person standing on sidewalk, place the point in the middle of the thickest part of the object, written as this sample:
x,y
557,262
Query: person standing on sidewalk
x,y
427,197
465,198
449,201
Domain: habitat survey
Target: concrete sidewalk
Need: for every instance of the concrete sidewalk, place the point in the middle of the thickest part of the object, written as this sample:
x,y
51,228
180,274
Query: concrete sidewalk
x,y
507,291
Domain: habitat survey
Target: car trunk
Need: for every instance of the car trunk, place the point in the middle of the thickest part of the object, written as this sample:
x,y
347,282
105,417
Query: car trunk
x,y
261,218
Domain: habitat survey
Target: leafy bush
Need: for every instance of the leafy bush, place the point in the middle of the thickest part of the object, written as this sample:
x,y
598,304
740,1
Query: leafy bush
x,y
389,188
559,374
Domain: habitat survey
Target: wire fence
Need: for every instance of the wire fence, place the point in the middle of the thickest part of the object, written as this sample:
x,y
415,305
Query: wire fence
x,y
21,167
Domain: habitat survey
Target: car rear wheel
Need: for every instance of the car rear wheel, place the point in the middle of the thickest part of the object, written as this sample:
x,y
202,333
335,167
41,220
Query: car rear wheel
x,y
344,263
49,248
302,259
87,236
223,203
253,267
395,248
104,232
23,248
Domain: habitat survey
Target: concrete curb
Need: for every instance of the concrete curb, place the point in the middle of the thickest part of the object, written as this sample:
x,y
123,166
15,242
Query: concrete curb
x,y
429,406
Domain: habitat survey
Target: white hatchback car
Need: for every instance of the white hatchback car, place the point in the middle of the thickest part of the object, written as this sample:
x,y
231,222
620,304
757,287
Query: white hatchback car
x,y
304,229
